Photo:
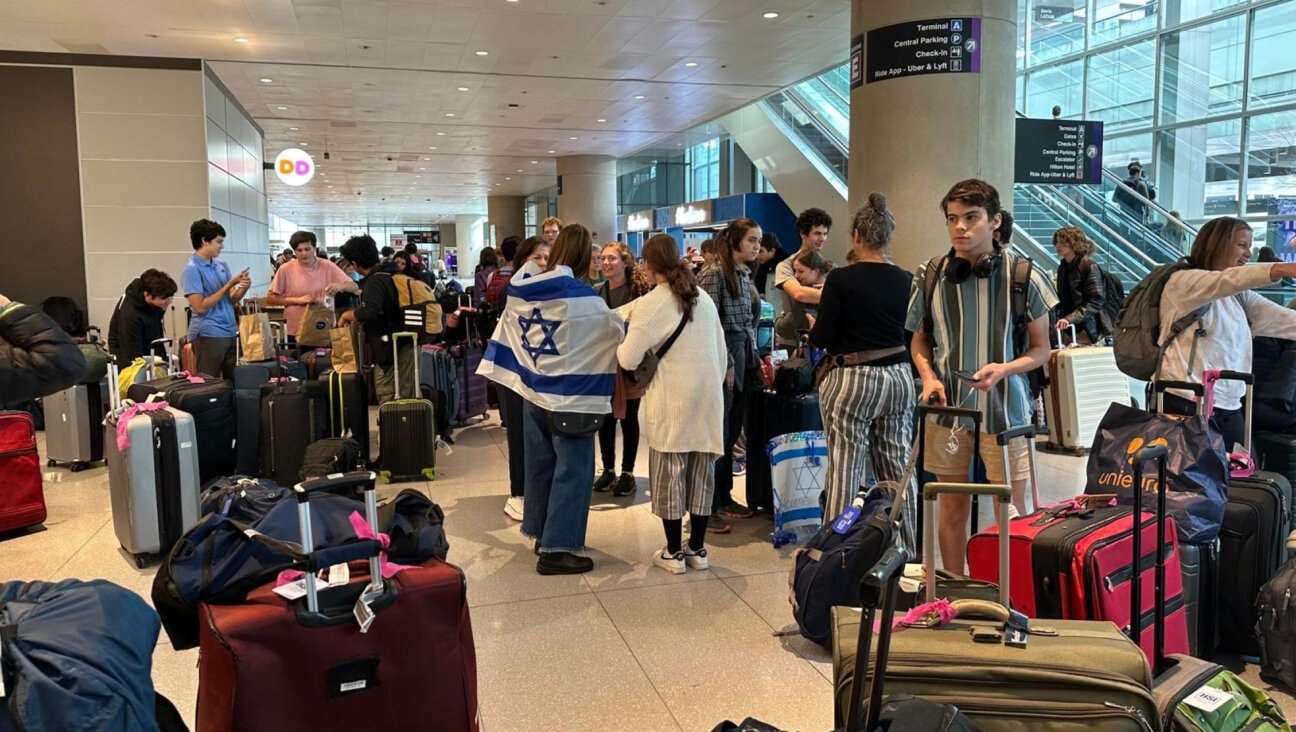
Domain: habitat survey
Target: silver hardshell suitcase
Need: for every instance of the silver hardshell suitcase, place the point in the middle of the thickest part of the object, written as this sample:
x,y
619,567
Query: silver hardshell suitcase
x,y
153,483
73,435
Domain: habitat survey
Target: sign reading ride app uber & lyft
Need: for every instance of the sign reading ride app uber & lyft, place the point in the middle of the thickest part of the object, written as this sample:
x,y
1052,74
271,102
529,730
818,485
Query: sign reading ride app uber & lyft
x,y
294,167
918,47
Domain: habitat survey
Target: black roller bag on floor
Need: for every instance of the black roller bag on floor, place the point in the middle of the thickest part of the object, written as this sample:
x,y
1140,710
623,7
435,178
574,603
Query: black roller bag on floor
x,y
211,403
293,415
768,416
348,400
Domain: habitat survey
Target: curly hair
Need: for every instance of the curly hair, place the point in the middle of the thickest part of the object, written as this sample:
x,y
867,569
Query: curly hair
x,y
639,284
1075,239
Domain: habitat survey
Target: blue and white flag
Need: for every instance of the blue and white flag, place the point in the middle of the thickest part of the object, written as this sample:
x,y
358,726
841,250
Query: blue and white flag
x,y
556,343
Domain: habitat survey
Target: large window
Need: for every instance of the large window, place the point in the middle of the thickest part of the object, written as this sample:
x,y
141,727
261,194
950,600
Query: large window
x,y
1271,164
1121,86
1202,70
1117,19
1273,62
1057,85
1198,169
704,170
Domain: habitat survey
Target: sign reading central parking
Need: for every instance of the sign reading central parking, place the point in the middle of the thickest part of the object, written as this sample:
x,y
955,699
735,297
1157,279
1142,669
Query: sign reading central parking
x,y
294,167
938,46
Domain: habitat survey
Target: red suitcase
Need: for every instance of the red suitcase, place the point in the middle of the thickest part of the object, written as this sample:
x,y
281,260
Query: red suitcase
x,y
22,495
272,664
1076,564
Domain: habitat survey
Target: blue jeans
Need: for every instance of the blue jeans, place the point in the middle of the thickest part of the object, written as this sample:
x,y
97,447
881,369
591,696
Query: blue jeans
x,y
559,483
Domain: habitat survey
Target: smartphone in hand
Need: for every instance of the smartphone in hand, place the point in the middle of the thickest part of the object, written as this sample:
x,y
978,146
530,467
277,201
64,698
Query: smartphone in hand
x,y
966,377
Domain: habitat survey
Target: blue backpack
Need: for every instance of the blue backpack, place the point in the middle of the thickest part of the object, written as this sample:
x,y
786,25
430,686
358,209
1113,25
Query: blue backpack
x,y
242,498
77,655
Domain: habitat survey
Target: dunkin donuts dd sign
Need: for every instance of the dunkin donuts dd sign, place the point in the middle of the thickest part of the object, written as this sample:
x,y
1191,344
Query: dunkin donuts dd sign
x,y
294,167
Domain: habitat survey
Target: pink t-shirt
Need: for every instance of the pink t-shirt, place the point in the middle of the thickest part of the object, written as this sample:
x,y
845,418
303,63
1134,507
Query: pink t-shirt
x,y
294,280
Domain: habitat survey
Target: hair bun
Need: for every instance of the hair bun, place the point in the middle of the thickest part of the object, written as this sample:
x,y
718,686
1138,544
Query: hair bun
x,y
877,202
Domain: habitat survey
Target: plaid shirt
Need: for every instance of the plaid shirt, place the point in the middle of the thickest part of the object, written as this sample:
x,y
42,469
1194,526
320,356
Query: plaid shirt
x,y
736,313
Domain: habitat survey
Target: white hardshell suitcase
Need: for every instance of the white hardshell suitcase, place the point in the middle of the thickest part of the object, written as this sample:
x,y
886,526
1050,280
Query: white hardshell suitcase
x,y
153,484
73,435
1083,382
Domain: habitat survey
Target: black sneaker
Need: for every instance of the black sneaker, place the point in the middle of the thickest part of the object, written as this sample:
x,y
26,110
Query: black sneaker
x,y
563,563
625,485
605,481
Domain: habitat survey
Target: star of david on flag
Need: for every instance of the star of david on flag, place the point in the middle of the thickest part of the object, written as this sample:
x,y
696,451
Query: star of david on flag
x,y
797,467
547,347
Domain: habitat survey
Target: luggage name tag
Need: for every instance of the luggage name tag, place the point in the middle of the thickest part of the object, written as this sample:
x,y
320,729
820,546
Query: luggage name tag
x,y
1015,637
339,574
846,520
363,614
229,501
1207,699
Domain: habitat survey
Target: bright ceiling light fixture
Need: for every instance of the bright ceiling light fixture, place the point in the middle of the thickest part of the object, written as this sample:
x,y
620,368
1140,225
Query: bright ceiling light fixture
x,y
464,88
600,119
482,53
537,162
449,114
770,15
265,80
551,152
639,96
241,39
281,109
573,138
294,129
442,134
691,64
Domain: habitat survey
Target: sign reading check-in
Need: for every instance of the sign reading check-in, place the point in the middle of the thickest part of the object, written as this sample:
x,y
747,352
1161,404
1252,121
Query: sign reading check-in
x,y
1058,151
919,47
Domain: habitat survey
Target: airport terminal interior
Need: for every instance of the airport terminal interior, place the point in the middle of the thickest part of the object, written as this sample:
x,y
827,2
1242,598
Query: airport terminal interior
x,y
441,132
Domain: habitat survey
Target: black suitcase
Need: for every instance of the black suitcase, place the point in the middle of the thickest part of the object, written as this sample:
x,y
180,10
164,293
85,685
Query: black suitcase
x,y
349,409
293,415
406,429
211,403
472,388
248,378
330,455
768,416
1276,453
317,361
438,376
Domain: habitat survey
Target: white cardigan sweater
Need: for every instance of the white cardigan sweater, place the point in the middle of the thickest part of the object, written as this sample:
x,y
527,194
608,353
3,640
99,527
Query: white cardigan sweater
x,y
1227,343
683,409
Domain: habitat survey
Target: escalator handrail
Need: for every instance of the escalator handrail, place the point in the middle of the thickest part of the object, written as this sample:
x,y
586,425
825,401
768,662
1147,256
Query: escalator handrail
x,y
1125,245
795,97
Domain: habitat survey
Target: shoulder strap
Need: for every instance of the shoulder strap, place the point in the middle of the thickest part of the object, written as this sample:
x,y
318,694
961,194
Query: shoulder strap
x,y
671,341
1020,287
934,266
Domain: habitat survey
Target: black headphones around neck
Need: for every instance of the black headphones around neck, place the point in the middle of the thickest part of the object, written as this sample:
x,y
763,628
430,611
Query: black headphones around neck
x,y
958,270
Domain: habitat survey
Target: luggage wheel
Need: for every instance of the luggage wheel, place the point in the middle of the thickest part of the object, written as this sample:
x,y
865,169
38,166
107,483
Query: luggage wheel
x,y
51,463
77,467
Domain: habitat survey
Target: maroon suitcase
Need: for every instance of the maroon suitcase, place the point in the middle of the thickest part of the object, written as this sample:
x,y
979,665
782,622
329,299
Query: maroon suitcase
x,y
22,492
272,664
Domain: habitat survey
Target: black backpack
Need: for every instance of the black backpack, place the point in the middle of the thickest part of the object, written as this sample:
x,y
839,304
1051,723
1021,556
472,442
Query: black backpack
x,y
1276,630
330,455
1113,296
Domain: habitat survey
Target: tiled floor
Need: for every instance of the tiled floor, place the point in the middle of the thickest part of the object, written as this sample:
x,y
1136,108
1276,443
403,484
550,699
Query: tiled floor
x,y
625,647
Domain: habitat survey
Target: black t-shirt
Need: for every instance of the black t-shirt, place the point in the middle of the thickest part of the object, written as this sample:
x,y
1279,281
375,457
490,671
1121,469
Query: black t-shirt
x,y
863,308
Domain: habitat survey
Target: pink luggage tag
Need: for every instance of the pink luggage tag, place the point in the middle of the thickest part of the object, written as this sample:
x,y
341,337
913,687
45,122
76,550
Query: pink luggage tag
x,y
943,611
123,421
363,531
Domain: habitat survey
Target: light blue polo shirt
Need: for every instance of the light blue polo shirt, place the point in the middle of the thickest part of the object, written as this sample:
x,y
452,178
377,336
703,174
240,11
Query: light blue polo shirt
x,y
200,278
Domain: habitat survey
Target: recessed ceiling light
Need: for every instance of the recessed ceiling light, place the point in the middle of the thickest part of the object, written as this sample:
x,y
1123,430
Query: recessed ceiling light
x,y
537,162
301,144
442,134
639,96
482,53
551,152
508,178
282,108
294,129
573,138
240,39
463,88
690,64
770,15
434,147
416,175
449,114
600,119
264,80
520,170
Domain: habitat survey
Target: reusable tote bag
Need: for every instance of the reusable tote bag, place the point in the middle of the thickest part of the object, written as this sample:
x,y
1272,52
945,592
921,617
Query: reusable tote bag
x,y
798,463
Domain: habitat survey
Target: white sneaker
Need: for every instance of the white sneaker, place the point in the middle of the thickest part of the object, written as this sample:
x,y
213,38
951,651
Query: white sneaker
x,y
513,508
673,563
696,560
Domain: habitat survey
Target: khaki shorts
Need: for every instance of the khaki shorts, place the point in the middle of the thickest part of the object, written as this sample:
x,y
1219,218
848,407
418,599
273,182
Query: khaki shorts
x,y
938,459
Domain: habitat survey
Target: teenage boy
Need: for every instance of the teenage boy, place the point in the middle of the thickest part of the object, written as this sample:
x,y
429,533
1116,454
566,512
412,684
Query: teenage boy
x,y
307,279
549,229
963,350
137,320
212,292
380,314
812,226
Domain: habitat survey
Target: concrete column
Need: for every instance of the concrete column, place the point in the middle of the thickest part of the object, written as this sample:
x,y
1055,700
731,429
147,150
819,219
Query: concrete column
x,y
913,137
507,215
587,194
470,239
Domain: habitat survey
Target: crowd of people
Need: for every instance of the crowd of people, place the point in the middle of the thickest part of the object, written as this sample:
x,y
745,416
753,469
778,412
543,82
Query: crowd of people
x,y
583,340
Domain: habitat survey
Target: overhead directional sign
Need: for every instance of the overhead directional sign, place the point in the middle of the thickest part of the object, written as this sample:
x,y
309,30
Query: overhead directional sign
x,y
919,47
1058,151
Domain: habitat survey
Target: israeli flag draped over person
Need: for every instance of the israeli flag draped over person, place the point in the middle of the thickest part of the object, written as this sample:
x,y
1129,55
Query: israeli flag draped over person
x,y
556,342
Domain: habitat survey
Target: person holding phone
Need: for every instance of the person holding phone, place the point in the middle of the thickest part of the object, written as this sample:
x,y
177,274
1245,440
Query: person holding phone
x,y
212,292
969,353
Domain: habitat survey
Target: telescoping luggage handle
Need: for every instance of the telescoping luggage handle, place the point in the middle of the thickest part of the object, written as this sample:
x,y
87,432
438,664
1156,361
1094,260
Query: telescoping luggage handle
x,y
1001,492
1209,398
344,553
928,409
395,341
1060,345
878,588
1145,454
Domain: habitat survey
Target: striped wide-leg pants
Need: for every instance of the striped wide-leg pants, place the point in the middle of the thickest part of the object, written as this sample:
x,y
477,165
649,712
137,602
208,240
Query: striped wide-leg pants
x,y
681,481
868,416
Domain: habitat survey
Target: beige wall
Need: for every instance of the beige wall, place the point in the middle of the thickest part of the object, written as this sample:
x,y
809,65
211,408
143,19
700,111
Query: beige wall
x,y
143,174
236,181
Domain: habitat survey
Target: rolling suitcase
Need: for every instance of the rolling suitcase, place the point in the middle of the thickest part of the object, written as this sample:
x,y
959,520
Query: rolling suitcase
x,y
293,415
1275,452
153,479
472,388
1004,672
348,409
317,362
768,416
22,490
210,401
1252,540
248,378
406,429
74,425
272,664
441,377
1083,380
